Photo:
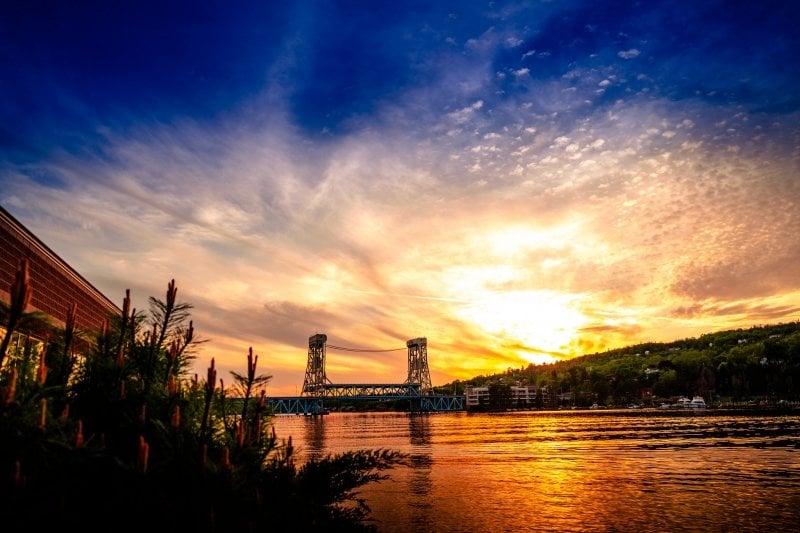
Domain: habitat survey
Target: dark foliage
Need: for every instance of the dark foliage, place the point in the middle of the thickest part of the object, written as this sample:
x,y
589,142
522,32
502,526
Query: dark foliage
x,y
118,439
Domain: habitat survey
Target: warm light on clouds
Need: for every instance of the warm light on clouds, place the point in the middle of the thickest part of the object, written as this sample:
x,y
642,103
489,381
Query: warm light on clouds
x,y
516,189
543,324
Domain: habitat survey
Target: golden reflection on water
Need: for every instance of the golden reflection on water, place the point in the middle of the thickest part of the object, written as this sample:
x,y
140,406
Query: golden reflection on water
x,y
572,472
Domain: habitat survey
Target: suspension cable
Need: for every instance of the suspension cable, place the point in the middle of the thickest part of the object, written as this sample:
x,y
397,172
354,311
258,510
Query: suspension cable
x,y
332,347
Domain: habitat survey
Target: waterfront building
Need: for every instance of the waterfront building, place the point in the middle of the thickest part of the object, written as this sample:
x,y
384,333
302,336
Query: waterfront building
x,y
476,397
55,285
521,396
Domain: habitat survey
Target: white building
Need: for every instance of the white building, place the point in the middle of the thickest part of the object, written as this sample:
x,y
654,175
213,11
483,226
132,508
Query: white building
x,y
521,396
476,396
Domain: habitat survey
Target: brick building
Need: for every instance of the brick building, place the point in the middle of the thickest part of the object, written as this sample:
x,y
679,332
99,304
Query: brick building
x,y
54,284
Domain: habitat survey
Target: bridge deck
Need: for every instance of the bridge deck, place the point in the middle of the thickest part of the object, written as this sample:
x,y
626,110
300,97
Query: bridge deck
x,y
313,405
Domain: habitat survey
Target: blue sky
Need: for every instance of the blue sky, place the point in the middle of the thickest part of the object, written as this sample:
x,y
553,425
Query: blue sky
x,y
517,181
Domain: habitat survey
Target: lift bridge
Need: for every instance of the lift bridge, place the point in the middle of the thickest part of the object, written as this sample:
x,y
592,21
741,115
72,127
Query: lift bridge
x,y
316,386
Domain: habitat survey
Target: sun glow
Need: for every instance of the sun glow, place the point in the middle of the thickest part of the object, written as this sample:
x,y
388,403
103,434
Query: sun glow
x,y
538,324
510,240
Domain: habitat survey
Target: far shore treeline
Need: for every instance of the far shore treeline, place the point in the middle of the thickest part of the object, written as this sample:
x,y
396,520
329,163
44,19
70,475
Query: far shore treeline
x,y
759,366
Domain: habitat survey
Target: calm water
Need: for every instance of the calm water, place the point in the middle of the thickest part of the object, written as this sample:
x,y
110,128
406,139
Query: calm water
x,y
572,471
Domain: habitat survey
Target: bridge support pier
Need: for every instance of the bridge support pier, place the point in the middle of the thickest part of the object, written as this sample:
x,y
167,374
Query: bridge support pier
x,y
418,372
417,387
315,380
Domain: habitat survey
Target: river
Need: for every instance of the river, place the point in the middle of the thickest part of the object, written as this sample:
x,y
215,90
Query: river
x,y
614,471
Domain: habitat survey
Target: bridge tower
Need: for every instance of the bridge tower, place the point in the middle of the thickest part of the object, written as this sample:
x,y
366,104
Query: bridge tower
x,y
313,384
418,371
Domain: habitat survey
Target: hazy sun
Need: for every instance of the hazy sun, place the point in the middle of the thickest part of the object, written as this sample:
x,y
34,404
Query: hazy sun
x,y
542,322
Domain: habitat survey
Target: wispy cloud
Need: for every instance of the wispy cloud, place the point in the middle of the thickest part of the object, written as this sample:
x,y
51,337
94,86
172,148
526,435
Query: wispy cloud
x,y
628,54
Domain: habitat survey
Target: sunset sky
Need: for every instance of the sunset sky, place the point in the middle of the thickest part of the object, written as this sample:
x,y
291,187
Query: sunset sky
x,y
516,181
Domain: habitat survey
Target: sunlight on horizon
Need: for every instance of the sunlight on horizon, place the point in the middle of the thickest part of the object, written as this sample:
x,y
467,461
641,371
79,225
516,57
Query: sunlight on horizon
x,y
543,323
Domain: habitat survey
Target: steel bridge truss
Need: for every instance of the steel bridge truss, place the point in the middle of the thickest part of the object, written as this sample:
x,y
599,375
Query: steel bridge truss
x,y
370,391
315,380
304,405
316,383
296,406
441,403
418,371
417,386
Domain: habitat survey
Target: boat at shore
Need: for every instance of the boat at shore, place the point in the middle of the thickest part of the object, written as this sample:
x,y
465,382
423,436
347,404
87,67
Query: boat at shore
x,y
697,402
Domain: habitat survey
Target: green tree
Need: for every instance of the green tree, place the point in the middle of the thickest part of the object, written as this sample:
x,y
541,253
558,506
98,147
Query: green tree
x,y
499,396
667,384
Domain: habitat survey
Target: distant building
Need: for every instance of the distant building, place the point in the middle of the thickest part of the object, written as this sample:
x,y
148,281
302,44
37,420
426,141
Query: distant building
x,y
522,396
476,397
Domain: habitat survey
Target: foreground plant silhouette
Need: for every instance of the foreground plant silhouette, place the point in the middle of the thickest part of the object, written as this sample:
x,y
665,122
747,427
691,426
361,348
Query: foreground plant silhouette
x,y
120,439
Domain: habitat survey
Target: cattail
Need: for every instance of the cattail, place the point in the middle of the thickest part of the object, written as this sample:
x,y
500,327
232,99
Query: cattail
x,y
211,380
290,452
132,325
126,304
17,474
172,291
251,364
173,351
189,334
42,413
153,335
143,414
41,373
240,433
172,386
69,330
126,307
65,413
105,327
79,434
257,428
209,395
175,421
226,459
143,456
11,388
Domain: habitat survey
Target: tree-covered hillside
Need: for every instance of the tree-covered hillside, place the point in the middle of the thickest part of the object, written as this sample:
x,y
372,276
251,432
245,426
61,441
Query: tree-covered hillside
x,y
757,364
